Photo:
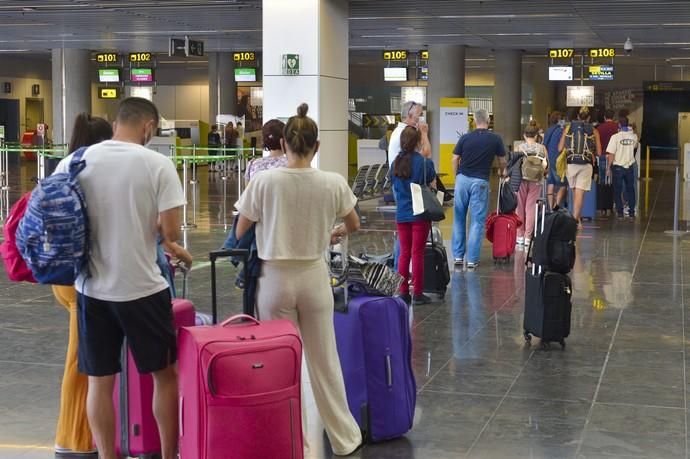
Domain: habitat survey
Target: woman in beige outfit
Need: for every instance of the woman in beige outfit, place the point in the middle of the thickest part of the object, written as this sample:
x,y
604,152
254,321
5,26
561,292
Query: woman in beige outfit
x,y
295,208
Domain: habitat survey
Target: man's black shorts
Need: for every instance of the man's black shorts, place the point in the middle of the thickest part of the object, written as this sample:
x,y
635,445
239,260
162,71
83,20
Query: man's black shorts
x,y
147,323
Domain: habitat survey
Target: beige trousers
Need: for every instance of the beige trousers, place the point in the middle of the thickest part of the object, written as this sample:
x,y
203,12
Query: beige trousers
x,y
300,291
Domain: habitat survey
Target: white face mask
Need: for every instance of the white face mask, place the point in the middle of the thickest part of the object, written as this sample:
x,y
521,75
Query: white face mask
x,y
422,119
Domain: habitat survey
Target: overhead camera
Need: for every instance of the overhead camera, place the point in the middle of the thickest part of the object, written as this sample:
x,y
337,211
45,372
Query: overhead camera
x,y
628,47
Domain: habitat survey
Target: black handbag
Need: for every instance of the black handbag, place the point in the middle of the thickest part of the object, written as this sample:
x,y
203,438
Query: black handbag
x,y
507,198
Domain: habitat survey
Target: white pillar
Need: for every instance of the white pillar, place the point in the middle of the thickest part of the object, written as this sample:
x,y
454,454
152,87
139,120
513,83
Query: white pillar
x,y
71,90
317,30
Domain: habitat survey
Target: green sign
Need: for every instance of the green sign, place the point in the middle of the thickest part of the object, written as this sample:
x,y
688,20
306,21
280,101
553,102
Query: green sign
x,y
290,64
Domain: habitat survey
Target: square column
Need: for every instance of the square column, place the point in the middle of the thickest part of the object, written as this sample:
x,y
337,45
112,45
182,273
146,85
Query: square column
x,y
222,88
71,90
317,30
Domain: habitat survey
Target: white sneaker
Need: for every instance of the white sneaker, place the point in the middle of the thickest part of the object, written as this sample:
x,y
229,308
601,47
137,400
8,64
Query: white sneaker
x,y
520,241
527,242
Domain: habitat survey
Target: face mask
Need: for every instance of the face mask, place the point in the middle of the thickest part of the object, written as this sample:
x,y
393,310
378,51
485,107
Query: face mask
x,y
561,123
422,119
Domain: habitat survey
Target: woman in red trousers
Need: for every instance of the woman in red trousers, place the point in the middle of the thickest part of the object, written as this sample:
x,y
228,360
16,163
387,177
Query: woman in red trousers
x,y
411,167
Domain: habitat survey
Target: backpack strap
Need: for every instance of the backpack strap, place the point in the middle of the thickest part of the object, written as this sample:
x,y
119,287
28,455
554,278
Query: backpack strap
x,y
77,164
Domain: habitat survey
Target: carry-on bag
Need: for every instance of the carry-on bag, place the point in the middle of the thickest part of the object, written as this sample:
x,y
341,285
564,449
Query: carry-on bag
x,y
239,388
605,194
136,430
589,205
501,230
375,350
547,296
436,270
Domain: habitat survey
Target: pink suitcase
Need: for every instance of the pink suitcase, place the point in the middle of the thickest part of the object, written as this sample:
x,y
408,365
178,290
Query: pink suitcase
x,y
239,388
133,399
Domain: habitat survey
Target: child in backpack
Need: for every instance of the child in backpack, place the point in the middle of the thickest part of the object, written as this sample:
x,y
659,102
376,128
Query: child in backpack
x,y
534,167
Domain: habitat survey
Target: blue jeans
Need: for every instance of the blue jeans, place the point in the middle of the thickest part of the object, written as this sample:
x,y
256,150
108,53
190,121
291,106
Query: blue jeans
x,y
624,183
470,194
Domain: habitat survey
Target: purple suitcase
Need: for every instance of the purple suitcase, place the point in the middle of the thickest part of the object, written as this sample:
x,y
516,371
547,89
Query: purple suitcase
x,y
380,384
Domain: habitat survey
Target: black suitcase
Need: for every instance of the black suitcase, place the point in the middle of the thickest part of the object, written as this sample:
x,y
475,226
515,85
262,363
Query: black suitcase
x,y
605,194
436,271
548,304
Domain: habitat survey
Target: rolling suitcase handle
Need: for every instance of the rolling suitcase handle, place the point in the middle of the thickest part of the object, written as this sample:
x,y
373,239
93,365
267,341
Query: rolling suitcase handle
x,y
224,253
538,228
185,275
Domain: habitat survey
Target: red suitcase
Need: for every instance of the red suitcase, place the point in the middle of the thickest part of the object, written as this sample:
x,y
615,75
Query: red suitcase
x,y
239,386
501,231
133,399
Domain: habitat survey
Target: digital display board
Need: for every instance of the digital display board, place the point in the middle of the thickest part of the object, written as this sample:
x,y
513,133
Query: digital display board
x,y
560,73
601,52
395,55
245,74
141,75
580,96
108,75
561,53
140,57
244,56
109,93
601,72
107,58
423,73
395,74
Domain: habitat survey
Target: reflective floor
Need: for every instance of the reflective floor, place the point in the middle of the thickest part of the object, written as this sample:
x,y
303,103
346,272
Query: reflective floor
x,y
618,390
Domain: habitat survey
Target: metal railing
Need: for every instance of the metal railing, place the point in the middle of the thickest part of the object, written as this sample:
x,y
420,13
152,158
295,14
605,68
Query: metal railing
x,y
227,158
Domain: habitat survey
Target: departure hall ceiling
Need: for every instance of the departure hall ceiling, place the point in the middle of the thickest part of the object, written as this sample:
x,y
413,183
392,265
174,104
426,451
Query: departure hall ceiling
x,y
127,25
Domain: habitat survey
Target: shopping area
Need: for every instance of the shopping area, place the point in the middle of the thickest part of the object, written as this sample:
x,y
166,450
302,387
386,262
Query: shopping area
x,y
618,388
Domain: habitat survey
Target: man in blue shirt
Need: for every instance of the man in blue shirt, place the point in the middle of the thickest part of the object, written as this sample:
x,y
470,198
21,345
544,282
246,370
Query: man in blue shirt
x,y
472,160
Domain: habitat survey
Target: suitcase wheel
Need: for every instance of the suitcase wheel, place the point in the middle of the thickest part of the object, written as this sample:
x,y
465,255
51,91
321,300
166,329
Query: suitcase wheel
x,y
528,337
562,343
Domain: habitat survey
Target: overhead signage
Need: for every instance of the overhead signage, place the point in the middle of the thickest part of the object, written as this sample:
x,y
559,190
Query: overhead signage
x,y
245,74
423,73
185,47
601,52
395,74
244,56
194,47
395,55
109,93
141,75
560,73
674,86
601,72
424,55
108,75
291,64
561,53
107,58
580,96
140,57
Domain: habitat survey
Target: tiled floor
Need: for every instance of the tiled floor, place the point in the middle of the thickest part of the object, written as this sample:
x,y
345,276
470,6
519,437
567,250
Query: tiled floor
x,y
618,390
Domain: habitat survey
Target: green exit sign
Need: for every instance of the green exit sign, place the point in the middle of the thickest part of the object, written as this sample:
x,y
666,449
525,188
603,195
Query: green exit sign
x,y
290,64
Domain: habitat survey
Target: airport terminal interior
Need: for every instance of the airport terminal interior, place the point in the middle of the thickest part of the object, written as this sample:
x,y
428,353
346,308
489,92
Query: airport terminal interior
x,y
617,389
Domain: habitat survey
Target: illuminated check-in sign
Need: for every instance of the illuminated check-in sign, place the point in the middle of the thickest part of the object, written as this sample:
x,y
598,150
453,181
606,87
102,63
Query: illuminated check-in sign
x,y
395,55
561,53
108,93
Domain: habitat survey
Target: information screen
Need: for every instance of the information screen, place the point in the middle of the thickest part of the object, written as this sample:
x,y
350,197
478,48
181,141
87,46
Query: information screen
x,y
601,72
245,74
395,74
109,75
580,96
141,75
560,73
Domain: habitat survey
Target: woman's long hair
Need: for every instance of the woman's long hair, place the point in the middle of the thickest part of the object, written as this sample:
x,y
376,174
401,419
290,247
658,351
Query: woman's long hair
x,y
409,140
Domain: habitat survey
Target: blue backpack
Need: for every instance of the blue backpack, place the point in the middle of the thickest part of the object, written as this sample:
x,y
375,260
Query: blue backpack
x,y
53,235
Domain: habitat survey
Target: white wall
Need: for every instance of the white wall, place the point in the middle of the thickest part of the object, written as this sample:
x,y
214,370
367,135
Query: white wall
x,y
185,102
